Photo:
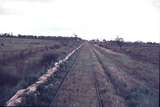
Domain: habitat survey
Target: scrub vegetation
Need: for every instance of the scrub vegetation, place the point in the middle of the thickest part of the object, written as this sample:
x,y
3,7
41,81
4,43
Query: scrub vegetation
x,y
24,58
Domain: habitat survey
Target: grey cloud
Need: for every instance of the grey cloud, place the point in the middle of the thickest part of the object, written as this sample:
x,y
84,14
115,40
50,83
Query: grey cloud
x,y
32,0
156,3
4,11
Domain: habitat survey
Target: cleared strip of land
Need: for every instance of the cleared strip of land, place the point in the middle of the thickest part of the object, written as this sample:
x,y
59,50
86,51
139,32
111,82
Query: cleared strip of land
x,y
103,78
20,96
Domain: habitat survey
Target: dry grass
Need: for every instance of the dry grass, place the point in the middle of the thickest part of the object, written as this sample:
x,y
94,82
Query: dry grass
x,y
147,52
23,60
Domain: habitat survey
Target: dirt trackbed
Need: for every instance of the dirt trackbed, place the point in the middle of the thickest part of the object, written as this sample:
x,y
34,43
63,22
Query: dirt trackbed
x,y
103,78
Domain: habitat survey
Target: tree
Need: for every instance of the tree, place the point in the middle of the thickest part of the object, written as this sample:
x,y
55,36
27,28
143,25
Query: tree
x,y
119,41
97,40
76,36
104,41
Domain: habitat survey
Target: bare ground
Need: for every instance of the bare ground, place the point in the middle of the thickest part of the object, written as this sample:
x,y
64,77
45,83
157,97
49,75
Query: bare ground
x,y
103,78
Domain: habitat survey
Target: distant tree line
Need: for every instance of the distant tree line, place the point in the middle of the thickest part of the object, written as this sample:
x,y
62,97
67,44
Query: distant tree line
x,y
118,41
10,35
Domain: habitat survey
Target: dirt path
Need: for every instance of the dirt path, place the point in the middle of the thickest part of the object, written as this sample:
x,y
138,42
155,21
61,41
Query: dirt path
x,y
102,78
78,89
136,82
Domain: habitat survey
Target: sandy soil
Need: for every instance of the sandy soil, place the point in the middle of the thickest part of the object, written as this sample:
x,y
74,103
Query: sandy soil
x,y
103,78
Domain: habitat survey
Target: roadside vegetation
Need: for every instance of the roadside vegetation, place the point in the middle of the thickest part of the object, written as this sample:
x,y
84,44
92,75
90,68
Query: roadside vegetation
x,y
24,58
133,70
146,52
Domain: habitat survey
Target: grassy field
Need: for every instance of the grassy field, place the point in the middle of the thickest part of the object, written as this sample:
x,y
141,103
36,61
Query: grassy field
x,y
147,52
96,76
23,59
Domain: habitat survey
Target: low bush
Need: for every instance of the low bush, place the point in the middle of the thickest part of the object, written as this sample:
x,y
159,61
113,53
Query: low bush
x,y
48,58
142,97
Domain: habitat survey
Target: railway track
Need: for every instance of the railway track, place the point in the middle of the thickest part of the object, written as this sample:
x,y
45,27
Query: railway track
x,y
96,84
110,79
86,85
128,88
103,87
99,97
63,79
94,80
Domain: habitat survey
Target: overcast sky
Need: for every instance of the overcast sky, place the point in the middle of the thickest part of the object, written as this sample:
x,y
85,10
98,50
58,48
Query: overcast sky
x,y
90,19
